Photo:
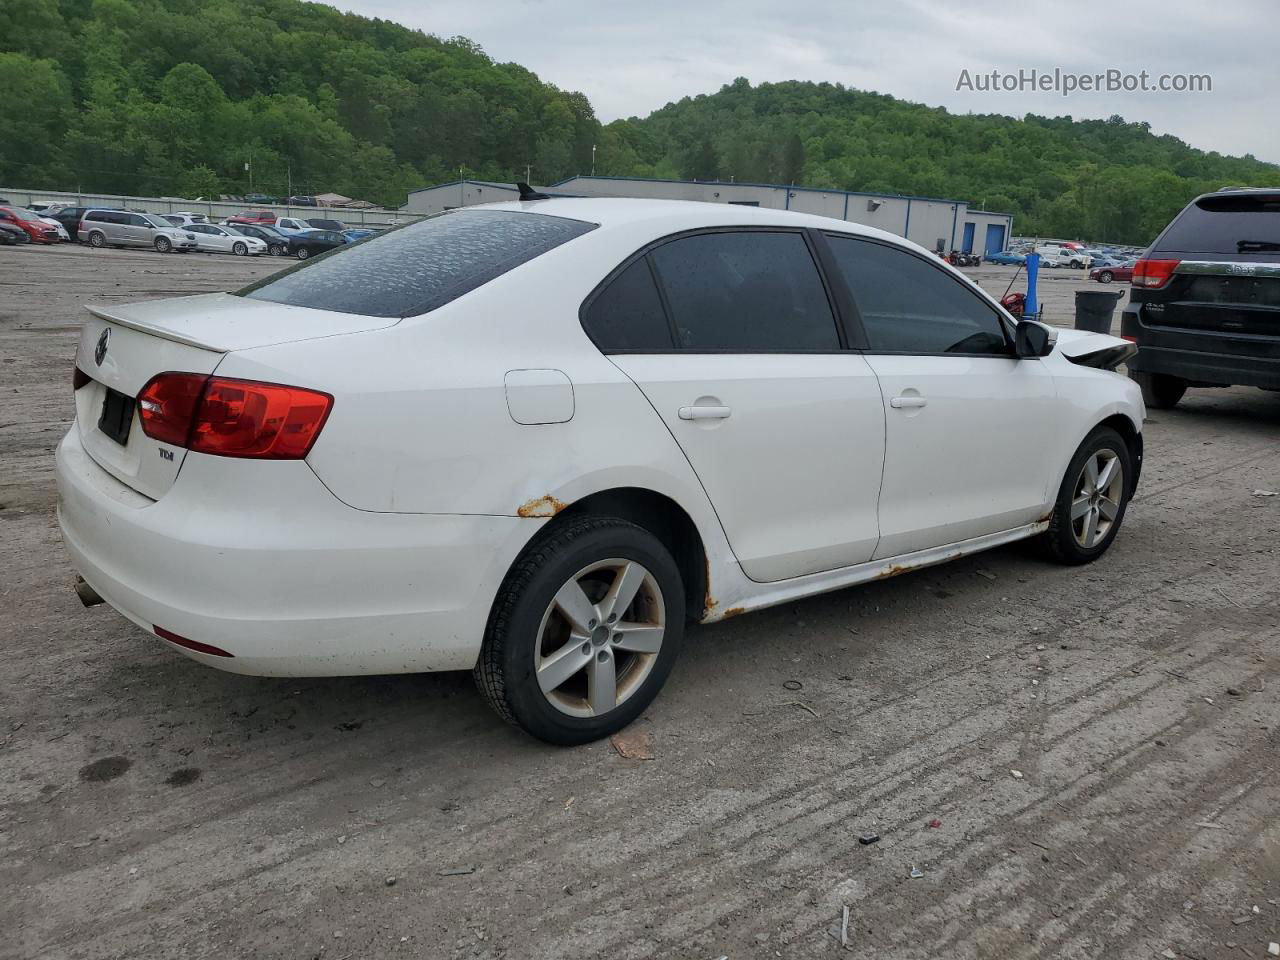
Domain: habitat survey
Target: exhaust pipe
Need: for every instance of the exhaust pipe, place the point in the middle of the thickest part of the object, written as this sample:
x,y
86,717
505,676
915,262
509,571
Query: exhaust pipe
x,y
88,596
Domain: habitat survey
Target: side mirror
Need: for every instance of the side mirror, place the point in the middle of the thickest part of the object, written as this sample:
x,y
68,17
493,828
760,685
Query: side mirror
x,y
1034,339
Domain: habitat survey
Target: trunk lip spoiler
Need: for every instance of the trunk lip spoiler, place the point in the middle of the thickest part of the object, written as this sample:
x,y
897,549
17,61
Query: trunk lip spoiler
x,y
124,320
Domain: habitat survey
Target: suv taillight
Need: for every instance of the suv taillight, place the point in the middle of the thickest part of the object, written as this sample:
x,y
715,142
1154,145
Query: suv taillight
x,y
1153,273
232,418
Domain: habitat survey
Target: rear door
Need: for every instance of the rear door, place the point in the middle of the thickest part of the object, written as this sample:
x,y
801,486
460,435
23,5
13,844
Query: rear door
x,y
733,338
970,430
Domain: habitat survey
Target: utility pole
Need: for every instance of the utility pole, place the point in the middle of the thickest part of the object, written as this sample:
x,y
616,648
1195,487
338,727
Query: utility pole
x,y
248,165
289,181
593,159
528,173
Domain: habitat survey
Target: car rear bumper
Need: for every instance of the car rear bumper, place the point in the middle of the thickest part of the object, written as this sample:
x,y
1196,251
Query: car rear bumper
x,y
259,560
1202,357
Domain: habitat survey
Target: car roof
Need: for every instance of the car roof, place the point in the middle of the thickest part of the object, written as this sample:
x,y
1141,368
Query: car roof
x,y
673,216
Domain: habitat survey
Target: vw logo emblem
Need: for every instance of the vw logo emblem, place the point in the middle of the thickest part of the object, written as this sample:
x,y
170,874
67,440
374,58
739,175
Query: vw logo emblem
x,y
100,351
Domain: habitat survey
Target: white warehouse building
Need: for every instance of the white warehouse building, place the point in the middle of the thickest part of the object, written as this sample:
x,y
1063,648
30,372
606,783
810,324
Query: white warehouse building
x,y
934,223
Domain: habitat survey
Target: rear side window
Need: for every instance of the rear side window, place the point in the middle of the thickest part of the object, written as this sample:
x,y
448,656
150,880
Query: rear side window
x,y
627,314
908,305
420,267
749,292
1228,224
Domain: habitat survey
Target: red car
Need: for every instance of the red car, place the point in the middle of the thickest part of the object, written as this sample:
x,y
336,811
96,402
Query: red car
x,y
253,216
1120,271
30,224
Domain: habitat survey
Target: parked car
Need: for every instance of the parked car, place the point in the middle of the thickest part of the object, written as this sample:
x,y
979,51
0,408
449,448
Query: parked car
x,y
1006,257
301,201
359,233
35,228
185,219
253,216
320,223
69,217
311,242
260,199
123,228
211,238
1063,255
277,243
1121,270
1203,305
11,234
63,235
291,225
492,441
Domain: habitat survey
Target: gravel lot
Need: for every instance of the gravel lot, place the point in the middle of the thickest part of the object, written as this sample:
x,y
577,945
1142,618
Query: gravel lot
x,y
153,808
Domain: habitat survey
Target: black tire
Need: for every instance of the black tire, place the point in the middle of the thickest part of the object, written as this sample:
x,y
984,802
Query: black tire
x,y
1061,541
97,239
1106,276
277,250
302,253
163,245
505,671
1159,390
239,248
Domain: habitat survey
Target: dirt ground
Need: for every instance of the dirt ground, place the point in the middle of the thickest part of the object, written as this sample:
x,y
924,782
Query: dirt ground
x,y
153,808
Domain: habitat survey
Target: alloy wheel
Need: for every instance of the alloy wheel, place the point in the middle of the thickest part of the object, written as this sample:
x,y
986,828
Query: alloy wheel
x,y
600,637
1097,498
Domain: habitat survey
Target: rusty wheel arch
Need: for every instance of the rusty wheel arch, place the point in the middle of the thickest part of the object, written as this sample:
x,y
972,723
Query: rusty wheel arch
x,y
662,517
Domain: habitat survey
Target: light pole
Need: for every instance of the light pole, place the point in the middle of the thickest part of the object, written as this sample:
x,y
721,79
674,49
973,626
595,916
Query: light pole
x,y
593,159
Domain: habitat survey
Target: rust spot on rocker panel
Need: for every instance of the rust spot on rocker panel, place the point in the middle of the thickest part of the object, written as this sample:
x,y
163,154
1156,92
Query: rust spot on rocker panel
x,y
544,506
733,612
893,570
708,601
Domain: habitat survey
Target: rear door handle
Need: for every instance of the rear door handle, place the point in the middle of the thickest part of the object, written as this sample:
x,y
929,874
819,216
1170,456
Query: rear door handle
x,y
704,413
906,403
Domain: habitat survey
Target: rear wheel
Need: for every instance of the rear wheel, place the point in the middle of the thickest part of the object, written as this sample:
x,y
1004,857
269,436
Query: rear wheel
x,y
239,248
584,631
163,245
1091,500
1106,276
1159,390
302,253
97,239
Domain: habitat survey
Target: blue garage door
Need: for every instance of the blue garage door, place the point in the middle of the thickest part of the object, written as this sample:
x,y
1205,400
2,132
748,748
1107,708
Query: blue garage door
x,y
966,245
995,238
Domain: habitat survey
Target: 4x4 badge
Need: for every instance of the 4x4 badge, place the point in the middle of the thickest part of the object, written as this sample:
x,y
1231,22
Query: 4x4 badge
x,y
100,351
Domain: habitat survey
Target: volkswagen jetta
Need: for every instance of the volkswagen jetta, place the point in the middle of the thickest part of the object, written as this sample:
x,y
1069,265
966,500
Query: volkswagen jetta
x,y
534,439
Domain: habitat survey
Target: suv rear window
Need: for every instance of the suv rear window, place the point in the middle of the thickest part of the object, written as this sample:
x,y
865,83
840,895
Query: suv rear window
x,y
420,267
1244,223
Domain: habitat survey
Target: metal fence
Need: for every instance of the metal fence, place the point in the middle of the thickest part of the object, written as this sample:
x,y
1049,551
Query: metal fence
x,y
213,209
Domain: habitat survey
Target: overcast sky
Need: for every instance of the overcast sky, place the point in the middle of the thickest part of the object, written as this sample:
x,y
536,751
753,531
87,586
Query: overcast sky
x,y
633,57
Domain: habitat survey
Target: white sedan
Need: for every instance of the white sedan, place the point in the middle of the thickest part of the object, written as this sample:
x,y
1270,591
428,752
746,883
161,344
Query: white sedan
x,y
534,439
212,238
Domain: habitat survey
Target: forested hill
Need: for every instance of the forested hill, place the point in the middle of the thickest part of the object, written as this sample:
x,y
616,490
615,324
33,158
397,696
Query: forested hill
x,y
1096,179
175,97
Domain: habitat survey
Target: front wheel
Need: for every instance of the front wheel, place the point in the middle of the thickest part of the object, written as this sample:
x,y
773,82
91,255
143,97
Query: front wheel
x,y
1159,390
239,249
302,253
583,632
1105,276
163,245
1091,500
277,250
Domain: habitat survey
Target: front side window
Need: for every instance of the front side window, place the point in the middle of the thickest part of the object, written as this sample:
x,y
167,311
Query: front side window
x,y
420,267
909,305
746,292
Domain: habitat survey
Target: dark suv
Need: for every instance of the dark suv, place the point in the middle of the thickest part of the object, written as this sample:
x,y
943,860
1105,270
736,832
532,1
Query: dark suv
x,y
1205,305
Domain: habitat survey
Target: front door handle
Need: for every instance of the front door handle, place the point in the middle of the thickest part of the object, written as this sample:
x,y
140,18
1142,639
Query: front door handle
x,y
704,413
907,403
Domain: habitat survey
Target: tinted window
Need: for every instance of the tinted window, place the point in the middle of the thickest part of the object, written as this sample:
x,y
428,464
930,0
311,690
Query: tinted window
x,y
415,269
137,220
96,217
909,305
1246,223
627,314
748,292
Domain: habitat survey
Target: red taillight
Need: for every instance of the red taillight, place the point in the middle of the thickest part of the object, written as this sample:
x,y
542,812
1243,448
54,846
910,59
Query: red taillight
x,y
79,379
1153,273
233,418
1129,337
195,645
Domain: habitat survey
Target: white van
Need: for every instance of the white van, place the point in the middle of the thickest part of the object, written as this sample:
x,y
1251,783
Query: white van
x,y
1059,255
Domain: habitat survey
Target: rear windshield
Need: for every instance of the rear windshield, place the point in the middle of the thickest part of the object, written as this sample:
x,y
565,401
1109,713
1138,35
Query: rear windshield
x,y
1247,223
417,268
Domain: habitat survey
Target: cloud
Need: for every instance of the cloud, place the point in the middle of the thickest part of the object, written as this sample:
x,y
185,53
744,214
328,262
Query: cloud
x,y
632,58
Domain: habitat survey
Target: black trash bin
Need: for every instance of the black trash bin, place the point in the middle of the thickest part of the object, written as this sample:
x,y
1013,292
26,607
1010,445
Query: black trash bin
x,y
1094,309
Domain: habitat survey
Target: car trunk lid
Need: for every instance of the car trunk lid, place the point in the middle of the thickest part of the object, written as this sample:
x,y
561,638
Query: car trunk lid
x,y
123,346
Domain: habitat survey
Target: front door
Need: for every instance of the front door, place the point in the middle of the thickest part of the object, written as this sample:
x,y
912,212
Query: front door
x,y
782,425
968,426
